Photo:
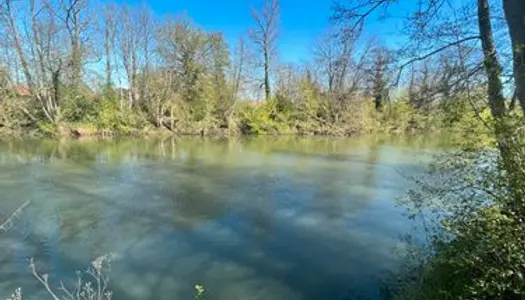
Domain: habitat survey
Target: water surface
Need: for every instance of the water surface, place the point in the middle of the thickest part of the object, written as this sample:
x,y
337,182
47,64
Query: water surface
x,y
261,218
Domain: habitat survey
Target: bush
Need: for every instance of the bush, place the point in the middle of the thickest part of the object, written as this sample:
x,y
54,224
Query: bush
x,y
264,118
476,250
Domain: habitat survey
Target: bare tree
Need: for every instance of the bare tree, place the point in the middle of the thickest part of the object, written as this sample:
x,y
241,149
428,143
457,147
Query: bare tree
x,y
240,61
39,51
146,28
333,54
342,71
437,26
10,22
109,27
73,15
288,81
128,46
265,35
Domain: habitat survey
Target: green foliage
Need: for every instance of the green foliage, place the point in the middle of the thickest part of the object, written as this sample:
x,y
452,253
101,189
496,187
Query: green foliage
x,y
47,128
261,118
113,119
485,260
203,104
199,292
81,108
478,201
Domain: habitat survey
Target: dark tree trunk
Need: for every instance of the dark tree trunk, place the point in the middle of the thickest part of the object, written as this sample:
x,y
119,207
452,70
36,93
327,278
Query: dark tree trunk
x,y
107,48
515,15
267,88
492,64
504,134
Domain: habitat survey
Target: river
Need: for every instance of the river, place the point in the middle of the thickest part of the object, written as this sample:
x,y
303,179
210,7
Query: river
x,y
255,218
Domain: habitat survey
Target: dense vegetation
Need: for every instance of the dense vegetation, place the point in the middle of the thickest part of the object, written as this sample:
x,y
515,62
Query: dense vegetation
x,y
74,68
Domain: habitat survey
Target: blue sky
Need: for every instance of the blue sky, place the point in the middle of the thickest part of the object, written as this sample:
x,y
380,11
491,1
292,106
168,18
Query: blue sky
x,y
302,21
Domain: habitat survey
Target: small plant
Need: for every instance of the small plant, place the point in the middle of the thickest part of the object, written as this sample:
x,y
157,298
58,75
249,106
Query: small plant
x,y
17,295
94,289
199,292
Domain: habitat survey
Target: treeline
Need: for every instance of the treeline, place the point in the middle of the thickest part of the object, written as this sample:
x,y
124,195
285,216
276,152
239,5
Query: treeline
x,y
67,66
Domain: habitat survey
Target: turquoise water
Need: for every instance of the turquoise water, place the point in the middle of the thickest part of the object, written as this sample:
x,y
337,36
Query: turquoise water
x,y
265,218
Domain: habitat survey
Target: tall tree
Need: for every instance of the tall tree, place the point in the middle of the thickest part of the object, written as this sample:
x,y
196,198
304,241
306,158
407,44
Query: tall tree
x,y
379,77
492,64
241,58
434,28
333,54
109,26
264,36
128,45
74,16
431,24
515,15
184,50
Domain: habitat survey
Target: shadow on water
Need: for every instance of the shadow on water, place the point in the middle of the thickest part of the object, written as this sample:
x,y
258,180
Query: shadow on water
x,y
248,219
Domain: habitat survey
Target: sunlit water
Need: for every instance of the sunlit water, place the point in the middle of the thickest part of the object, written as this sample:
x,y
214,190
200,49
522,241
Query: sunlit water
x,y
272,218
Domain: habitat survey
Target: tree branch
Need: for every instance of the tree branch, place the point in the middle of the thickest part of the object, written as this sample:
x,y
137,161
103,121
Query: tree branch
x,y
8,223
432,53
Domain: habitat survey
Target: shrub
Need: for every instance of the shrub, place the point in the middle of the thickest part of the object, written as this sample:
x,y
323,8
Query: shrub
x,y
476,248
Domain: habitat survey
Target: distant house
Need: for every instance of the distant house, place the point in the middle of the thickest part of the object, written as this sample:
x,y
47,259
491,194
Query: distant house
x,y
21,90
255,103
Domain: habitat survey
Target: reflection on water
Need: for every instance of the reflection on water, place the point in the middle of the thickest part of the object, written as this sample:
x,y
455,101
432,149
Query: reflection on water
x,y
273,218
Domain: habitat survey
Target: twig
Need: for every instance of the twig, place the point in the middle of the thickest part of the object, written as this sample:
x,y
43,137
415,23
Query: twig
x,y
423,57
43,279
8,223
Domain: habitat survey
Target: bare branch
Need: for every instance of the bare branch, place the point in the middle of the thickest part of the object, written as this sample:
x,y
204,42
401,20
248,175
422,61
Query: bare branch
x,y
432,53
8,223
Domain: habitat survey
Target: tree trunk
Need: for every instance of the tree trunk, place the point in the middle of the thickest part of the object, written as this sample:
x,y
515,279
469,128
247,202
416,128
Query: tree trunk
x,y
492,64
172,120
515,15
504,134
18,46
267,88
107,46
76,65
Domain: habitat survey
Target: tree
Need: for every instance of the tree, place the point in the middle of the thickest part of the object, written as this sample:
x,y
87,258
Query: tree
x,y
73,15
43,60
183,49
437,28
264,36
217,67
379,78
514,12
109,26
491,61
333,54
128,44
241,59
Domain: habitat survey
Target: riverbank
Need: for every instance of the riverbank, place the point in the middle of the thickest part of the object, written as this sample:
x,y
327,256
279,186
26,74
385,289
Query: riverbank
x,y
395,119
